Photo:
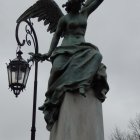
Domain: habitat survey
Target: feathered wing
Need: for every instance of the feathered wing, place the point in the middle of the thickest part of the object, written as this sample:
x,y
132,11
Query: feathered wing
x,y
46,10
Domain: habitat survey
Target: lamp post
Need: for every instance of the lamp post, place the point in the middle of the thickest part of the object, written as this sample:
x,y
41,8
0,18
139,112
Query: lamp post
x,y
18,69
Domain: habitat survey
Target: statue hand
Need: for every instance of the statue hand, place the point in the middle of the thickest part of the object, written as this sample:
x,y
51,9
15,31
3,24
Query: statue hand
x,y
35,57
39,57
46,57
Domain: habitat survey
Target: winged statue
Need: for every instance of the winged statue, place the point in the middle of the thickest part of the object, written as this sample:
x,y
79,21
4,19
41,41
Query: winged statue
x,y
76,64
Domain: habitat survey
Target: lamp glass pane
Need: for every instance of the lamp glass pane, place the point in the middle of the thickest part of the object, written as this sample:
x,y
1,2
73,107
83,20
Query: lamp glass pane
x,y
9,75
14,72
14,76
20,77
22,74
26,75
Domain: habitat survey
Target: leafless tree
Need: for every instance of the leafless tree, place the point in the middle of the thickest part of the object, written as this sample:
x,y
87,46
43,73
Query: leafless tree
x,y
134,126
117,135
133,132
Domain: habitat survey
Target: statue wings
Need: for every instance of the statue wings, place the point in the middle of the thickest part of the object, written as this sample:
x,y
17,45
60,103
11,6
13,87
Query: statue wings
x,y
46,10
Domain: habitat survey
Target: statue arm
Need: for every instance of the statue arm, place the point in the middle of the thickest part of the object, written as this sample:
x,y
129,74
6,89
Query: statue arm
x,y
54,43
56,36
91,5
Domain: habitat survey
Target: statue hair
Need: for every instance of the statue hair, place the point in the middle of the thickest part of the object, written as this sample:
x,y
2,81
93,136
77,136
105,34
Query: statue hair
x,y
69,5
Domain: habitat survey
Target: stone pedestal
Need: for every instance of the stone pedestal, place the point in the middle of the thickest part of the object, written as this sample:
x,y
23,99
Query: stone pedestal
x,y
80,118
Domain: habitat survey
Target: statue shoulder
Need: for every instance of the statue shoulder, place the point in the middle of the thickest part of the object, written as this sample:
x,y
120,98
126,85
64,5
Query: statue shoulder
x,y
63,19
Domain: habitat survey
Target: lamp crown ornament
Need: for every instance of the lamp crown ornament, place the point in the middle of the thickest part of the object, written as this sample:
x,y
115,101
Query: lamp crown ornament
x,y
19,53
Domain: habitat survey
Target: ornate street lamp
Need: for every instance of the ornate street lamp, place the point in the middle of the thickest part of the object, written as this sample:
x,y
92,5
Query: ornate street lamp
x,y
18,69
18,72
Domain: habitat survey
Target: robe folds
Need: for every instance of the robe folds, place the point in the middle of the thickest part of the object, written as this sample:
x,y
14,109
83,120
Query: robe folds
x,y
75,69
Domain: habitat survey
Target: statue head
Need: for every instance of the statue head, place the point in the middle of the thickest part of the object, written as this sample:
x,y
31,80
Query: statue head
x,y
73,5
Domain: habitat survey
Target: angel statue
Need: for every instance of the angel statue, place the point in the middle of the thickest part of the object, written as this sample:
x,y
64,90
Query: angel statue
x,y
78,83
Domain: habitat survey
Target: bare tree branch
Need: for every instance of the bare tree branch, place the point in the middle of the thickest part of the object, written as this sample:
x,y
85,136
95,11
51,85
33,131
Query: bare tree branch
x,y
133,132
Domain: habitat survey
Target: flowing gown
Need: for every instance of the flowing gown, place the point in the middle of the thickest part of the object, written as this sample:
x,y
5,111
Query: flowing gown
x,y
76,88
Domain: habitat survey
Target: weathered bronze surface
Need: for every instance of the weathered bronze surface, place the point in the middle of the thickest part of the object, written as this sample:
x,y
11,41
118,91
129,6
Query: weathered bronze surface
x,y
76,64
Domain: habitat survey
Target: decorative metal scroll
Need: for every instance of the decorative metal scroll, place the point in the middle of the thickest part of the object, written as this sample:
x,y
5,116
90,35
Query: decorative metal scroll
x,y
30,34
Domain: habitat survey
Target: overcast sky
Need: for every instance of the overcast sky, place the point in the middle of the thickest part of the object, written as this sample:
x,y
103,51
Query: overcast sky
x,y
113,27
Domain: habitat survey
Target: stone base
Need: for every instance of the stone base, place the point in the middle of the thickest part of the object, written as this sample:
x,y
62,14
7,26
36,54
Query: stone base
x,y
80,118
